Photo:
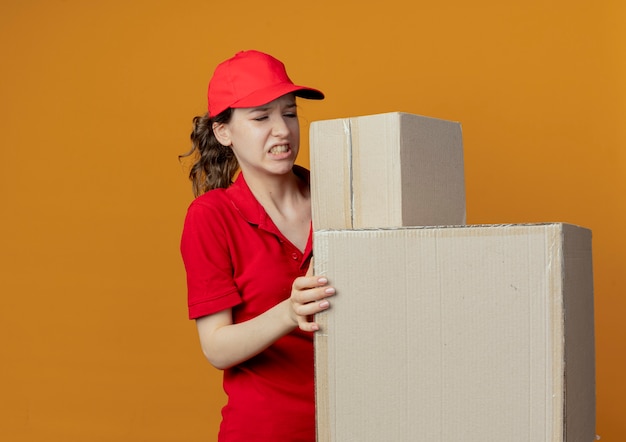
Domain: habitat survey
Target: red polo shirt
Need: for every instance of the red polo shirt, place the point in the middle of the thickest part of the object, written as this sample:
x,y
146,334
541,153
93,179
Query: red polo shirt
x,y
237,258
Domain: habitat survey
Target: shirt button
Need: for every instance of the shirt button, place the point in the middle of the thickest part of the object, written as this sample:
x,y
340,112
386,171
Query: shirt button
x,y
294,256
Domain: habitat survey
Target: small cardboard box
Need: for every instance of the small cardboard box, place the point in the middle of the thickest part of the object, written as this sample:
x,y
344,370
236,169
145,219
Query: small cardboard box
x,y
386,170
470,333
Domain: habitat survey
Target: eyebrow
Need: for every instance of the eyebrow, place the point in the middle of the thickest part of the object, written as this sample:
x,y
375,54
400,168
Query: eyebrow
x,y
265,107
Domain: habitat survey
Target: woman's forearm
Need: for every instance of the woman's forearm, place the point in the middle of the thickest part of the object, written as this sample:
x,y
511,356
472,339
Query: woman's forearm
x,y
226,344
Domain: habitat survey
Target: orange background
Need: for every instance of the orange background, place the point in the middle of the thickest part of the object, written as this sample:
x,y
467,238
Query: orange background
x,y
96,101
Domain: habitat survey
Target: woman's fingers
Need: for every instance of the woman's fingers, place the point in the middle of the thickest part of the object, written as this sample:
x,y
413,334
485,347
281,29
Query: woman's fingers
x,y
312,307
309,298
311,288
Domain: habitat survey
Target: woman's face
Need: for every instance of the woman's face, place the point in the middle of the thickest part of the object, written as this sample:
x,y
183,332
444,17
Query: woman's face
x,y
264,139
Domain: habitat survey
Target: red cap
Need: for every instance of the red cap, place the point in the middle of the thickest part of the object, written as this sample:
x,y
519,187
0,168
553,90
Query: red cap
x,y
251,79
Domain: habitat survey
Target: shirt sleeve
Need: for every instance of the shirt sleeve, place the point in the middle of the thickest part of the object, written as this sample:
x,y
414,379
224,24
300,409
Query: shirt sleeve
x,y
205,252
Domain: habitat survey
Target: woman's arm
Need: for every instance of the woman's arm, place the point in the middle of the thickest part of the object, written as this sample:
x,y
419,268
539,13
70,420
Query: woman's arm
x,y
226,344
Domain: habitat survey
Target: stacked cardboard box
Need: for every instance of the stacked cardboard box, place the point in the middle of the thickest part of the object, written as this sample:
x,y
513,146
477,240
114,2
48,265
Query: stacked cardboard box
x,y
393,169
453,333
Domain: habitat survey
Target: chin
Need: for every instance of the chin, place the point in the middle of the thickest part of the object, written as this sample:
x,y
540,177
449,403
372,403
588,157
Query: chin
x,y
281,168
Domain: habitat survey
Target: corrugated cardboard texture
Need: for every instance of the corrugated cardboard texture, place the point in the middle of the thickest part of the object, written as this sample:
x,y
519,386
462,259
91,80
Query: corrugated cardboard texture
x,y
458,334
386,170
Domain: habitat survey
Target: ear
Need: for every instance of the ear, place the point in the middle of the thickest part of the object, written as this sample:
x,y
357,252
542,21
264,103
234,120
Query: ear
x,y
222,134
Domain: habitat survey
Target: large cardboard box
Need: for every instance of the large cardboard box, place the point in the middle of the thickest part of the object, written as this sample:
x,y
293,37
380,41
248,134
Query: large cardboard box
x,y
386,170
457,334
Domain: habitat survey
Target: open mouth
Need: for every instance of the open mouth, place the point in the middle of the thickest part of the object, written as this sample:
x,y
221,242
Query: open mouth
x,y
280,149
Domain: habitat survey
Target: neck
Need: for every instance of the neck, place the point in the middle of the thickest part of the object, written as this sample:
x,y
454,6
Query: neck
x,y
277,191
286,199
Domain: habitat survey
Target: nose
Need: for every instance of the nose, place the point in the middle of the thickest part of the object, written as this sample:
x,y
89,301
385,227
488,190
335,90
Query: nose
x,y
280,128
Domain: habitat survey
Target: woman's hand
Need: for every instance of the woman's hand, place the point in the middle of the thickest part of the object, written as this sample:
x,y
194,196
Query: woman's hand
x,y
308,297
226,344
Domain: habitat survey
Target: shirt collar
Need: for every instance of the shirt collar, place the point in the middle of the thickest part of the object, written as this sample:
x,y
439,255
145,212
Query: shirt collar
x,y
244,201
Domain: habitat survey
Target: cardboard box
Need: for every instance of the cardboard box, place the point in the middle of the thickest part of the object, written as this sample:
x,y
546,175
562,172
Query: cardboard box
x,y
386,170
457,334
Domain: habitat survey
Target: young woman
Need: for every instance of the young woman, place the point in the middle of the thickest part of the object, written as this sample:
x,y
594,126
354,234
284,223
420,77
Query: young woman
x,y
247,246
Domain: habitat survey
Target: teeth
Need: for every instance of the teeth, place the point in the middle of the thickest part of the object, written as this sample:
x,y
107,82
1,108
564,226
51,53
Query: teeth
x,y
279,149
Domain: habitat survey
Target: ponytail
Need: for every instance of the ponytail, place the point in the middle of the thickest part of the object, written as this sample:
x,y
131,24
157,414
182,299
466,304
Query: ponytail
x,y
214,165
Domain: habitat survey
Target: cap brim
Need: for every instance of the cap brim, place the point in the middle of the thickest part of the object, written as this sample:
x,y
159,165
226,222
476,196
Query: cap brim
x,y
309,93
264,96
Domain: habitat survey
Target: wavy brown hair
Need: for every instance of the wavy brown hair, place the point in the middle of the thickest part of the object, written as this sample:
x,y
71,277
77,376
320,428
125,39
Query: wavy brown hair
x,y
214,165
